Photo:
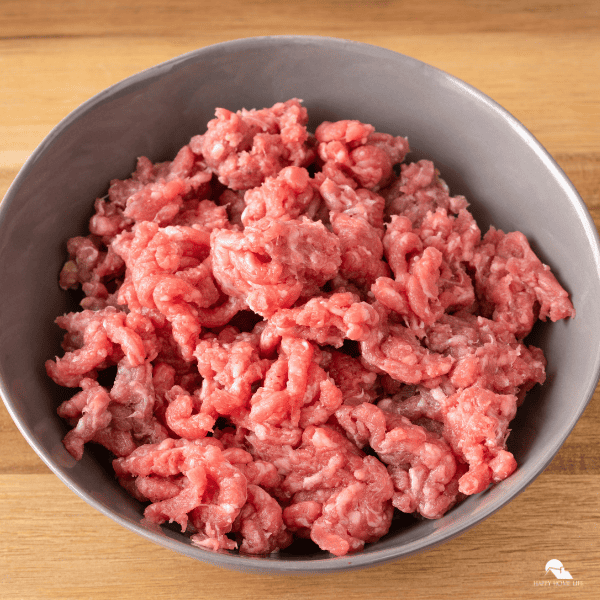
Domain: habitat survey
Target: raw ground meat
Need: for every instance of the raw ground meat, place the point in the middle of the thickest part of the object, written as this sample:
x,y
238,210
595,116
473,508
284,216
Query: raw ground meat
x,y
291,335
242,149
272,263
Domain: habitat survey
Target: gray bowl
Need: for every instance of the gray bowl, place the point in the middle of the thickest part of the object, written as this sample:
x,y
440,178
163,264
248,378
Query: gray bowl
x,y
481,150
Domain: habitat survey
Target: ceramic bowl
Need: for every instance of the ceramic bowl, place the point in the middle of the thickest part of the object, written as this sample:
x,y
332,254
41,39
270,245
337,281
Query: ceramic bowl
x,y
481,150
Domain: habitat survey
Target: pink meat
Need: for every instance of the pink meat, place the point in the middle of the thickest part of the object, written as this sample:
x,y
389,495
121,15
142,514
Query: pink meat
x,y
477,426
89,409
327,321
246,147
203,214
361,249
474,423
184,416
421,464
94,267
169,272
108,219
353,152
285,335
296,392
342,198
394,349
357,383
94,340
88,262
230,365
414,291
133,419
516,285
289,195
211,493
119,419
171,188
429,265
158,202
155,192
419,190
456,236
486,355
272,263
257,472
354,492
260,524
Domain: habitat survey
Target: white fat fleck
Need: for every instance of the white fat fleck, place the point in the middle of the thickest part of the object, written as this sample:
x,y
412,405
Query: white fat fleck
x,y
354,517
260,431
217,150
361,474
320,440
283,465
438,394
312,481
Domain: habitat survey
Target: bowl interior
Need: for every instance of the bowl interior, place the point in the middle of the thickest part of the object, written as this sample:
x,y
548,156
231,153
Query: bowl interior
x,y
481,151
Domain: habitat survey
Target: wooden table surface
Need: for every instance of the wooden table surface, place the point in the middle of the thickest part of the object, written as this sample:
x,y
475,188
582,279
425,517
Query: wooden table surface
x,y
539,58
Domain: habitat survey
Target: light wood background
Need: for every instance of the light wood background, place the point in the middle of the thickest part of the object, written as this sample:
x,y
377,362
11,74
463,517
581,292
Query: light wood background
x,y
539,58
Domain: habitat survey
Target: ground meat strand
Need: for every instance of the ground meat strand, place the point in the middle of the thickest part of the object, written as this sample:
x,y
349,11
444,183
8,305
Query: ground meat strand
x,y
290,195
419,190
475,424
246,147
260,524
169,272
339,497
486,354
516,286
212,492
357,383
327,321
421,464
353,152
230,365
394,349
89,409
272,263
94,340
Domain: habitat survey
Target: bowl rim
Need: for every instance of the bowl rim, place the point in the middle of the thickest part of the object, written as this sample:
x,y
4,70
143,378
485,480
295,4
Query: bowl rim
x,y
361,559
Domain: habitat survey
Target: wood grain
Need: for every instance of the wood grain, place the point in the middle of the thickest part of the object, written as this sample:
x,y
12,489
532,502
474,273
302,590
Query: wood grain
x,y
540,59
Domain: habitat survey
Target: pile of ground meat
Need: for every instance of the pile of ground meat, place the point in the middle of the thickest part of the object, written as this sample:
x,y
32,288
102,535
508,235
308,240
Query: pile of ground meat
x,y
293,334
